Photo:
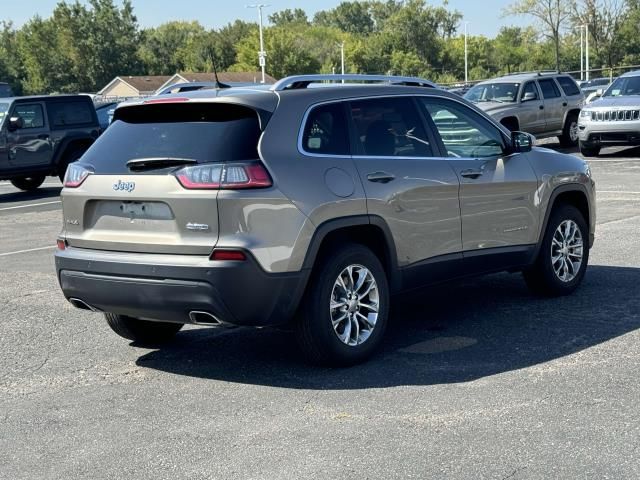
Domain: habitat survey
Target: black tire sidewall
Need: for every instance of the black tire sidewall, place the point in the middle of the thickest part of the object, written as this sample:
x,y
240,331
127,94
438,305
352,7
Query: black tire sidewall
x,y
28,184
565,139
317,317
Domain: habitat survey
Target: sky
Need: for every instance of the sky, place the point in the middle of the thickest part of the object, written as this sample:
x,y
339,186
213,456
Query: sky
x,y
485,16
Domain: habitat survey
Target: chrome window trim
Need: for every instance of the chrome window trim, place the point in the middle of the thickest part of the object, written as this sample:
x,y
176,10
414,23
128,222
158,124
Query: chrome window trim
x,y
431,94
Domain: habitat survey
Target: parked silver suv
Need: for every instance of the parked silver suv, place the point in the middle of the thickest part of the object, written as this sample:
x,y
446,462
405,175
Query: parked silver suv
x,y
311,206
613,119
541,103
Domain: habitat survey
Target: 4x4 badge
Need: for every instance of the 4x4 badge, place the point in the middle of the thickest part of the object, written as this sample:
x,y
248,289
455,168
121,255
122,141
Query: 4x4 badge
x,y
121,186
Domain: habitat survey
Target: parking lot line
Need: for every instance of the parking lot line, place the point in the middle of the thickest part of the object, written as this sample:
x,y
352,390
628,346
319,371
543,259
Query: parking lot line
x,y
30,205
622,192
27,251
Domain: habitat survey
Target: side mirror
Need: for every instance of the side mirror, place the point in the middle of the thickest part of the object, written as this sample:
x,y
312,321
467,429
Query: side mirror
x,y
15,123
599,92
521,142
528,96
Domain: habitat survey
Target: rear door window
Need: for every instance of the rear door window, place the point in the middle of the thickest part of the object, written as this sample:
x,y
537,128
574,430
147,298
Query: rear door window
x,y
549,88
203,132
325,131
568,86
389,127
70,114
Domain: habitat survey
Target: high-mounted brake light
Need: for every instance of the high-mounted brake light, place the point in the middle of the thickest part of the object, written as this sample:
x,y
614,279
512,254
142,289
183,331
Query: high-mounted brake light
x,y
167,100
75,175
226,176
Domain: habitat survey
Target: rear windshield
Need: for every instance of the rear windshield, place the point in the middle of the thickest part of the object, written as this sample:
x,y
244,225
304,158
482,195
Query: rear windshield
x,y
202,132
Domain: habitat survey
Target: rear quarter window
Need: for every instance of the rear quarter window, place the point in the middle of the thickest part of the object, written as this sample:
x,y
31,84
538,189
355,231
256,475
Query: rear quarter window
x,y
325,131
204,132
70,114
568,86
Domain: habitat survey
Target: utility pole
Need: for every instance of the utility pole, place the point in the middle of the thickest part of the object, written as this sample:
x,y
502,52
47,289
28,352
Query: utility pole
x,y
466,55
586,42
262,55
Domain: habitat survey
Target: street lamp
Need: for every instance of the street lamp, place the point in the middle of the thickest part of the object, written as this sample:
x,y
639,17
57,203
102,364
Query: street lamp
x,y
262,55
586,44
581,52
342,58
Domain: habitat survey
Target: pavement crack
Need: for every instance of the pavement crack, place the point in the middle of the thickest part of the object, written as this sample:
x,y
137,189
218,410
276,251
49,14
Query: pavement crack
x,y
513,474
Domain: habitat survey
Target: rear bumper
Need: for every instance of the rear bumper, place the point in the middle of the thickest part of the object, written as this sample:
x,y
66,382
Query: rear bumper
x,y
169,287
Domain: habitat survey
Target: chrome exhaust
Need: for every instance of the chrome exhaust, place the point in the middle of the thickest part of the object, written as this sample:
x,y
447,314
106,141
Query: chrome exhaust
x,y
203,318
81,304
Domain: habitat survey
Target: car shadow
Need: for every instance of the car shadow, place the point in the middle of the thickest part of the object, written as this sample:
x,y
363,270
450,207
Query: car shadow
x,y
41,193
446,334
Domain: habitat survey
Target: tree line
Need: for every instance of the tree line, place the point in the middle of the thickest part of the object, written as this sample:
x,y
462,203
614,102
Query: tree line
x,y
81,47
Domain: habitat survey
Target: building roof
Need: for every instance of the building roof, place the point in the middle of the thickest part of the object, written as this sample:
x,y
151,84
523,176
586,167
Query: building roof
x,y
143,83
239,77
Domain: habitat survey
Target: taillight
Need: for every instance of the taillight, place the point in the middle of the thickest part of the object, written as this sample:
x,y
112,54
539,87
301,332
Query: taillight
x,y
228,176
62,244
76,174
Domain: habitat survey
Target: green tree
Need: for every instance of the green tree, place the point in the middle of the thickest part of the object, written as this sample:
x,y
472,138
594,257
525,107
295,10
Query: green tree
x,y
288,16
510,50
350,17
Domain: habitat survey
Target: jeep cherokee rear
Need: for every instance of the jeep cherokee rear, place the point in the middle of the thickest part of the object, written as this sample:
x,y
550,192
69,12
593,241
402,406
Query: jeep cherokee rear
x,y
262,207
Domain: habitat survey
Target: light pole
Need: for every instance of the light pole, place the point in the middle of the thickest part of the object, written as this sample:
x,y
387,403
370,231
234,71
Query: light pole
x,y
581,53
586,44
262,55
466,54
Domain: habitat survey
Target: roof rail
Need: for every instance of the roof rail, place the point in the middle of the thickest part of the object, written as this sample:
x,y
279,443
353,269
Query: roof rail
x,y
535,72
303,81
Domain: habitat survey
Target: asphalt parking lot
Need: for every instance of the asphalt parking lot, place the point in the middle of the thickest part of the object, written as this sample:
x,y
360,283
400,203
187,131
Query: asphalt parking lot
x,y
478,379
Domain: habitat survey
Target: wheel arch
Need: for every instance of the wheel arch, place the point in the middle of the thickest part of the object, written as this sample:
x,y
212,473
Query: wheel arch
x,y
573,194
511,119
69,145
568,113
369,230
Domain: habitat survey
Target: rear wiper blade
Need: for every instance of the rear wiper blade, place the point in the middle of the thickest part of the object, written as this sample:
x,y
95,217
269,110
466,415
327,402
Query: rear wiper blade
x,y
150,163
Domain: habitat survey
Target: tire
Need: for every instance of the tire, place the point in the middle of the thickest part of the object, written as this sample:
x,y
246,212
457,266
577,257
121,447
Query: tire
x,y
316,335
68,158
28,184
569,137
588,151
143,332
542,278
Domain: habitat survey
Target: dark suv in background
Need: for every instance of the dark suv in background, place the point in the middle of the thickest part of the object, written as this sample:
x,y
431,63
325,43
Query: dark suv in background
x,y
5,90
41,136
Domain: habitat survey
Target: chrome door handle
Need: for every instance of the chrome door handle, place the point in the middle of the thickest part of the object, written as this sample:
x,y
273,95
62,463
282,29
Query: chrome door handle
x,y
471,173
380,177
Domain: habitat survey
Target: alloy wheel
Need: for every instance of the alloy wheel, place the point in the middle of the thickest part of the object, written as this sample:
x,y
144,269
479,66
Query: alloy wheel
x,y
567,250
355,303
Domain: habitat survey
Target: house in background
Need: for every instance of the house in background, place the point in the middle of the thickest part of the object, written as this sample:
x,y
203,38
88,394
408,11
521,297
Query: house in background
x,y
140,86
130,86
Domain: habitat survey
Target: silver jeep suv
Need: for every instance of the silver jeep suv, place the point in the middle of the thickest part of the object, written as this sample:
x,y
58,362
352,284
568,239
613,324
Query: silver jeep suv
x,y
541,103
311,207
613,119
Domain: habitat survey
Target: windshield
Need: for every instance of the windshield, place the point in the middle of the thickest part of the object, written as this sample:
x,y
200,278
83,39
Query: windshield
x,y
493,92
624,86
4,108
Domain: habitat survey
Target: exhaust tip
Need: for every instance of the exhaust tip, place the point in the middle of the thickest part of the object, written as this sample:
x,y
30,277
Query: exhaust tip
x,y
82,305
203,318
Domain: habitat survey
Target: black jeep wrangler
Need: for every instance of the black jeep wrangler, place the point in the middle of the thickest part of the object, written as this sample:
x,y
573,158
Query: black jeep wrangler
x,y
41,136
